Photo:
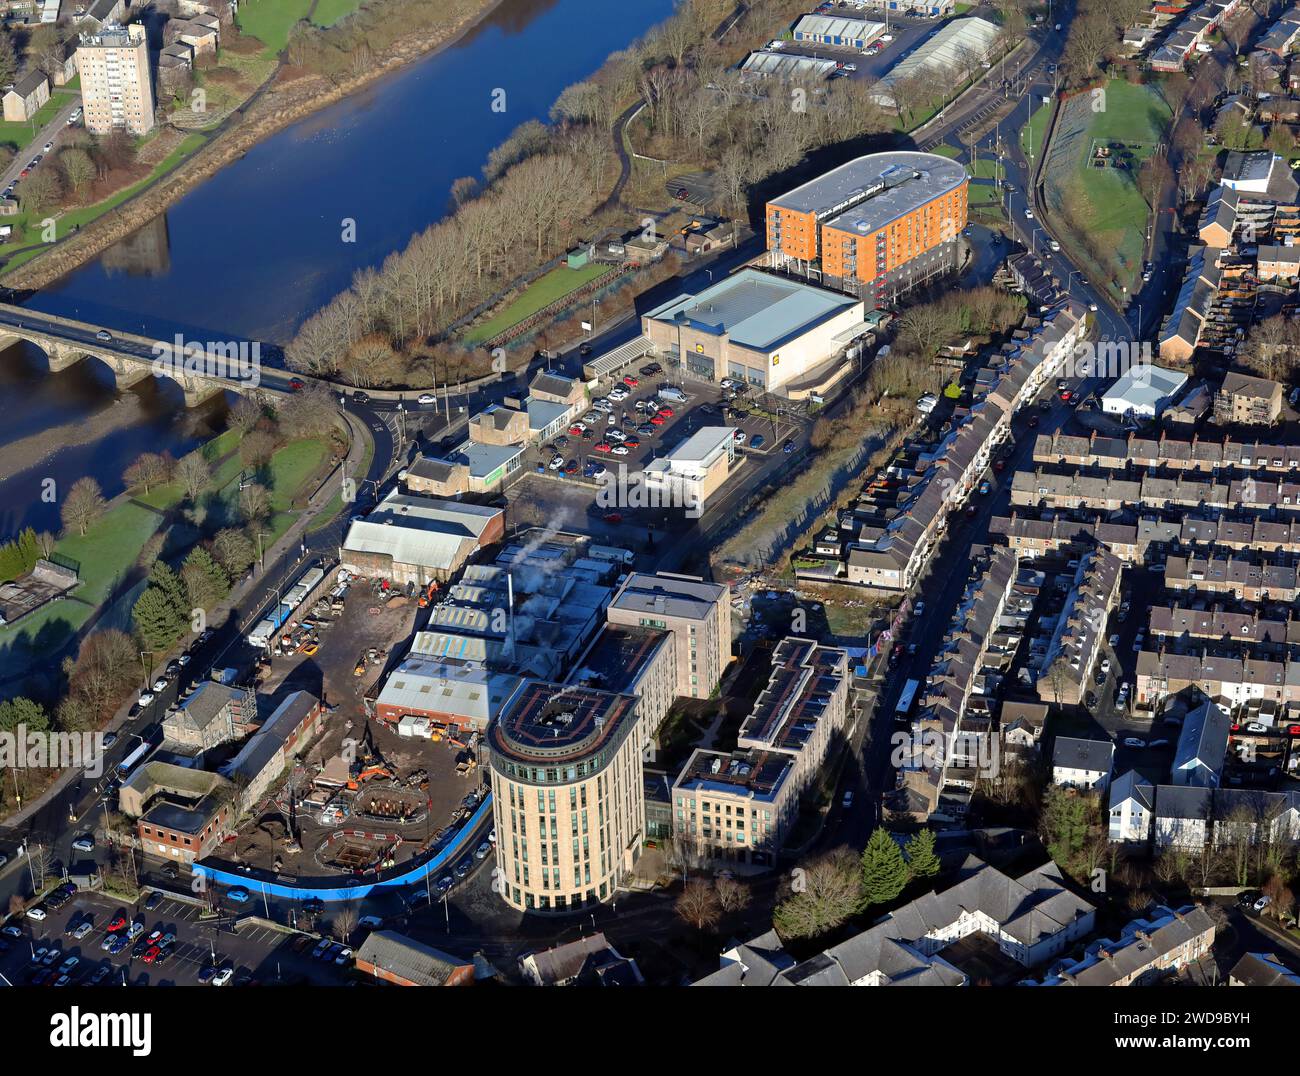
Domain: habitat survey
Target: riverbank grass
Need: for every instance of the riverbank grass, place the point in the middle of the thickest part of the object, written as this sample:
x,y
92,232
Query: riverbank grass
x,y
543,291
27,226
271,21
106,553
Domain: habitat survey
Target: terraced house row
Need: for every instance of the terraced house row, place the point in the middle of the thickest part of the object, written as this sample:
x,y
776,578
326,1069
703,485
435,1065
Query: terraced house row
x,y
952,732
1058,487
1033,533
1203,455
888,546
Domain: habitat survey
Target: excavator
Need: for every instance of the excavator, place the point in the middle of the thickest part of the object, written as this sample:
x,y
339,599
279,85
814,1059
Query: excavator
x,y
366,774
428,594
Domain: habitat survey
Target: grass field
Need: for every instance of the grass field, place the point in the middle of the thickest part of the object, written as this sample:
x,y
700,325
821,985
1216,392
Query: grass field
x,y
1105,203
328,12
1031,134
291,467
20,133
271,20
988,168
540,293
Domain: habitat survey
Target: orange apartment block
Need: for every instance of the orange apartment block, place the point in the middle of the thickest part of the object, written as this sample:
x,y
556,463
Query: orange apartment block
x,y
879,222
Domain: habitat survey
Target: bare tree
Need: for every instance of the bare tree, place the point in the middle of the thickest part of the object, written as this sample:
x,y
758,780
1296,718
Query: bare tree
x,y
732,895
194,474
83,505
699,905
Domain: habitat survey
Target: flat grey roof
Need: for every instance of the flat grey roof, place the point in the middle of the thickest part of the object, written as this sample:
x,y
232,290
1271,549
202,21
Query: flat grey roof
x,y
908,180
755,309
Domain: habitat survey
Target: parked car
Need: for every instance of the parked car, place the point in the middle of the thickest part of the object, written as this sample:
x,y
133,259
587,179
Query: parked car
x,y
84,844
1133,741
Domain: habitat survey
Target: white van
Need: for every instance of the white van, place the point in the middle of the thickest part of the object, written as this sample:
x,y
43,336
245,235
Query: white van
x,y
669,392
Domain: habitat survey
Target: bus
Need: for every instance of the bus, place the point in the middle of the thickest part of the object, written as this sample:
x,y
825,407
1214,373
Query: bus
x,y
908,698
133,759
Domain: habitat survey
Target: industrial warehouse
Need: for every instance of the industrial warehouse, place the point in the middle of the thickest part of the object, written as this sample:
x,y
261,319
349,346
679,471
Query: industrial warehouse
x,y
878,225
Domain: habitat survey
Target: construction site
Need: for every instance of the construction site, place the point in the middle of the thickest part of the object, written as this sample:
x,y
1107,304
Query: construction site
x,y
367,795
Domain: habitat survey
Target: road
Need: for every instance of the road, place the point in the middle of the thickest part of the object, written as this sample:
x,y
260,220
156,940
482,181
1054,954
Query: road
x,y
51,132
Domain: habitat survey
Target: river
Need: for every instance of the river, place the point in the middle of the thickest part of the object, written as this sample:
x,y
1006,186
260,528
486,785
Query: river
x,y
255,249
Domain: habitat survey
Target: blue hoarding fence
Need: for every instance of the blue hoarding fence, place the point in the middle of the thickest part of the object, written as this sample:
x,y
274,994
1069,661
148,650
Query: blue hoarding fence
x,y
347,887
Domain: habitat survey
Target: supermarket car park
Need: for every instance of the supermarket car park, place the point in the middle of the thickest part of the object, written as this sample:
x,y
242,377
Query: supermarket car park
x,y
251,952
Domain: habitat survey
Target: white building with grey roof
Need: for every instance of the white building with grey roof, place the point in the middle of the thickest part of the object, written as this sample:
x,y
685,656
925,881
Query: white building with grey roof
x,y
1084,764
1031,919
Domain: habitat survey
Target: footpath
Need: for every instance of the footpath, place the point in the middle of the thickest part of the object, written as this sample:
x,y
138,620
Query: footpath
x,y
247,595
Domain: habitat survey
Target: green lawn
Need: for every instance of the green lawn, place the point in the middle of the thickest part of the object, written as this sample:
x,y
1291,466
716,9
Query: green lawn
x,y
27,231
1105,203
291,467
540,293
328,12
20,133
988,168
271,20
1031,134
945,150
109,548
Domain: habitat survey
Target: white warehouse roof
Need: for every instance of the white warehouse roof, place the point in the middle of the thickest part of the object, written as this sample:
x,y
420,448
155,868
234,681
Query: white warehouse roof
x,y
942,55
430,531
1144,389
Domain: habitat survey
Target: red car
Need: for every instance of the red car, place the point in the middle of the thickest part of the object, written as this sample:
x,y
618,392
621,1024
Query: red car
x,y
631,442
1293,730
665,412
658,420
119,921
613,517
296,383
151,954
576,431
631,381
1066,395
603,446
999,465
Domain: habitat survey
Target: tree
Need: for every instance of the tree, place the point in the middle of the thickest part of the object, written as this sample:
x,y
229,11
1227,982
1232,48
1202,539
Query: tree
x,y
22,711
822,896
313,413
8,60
254,502
884,872
156,619
345,922
206,582
244,415
256,448
194,475
698,904
40,191
83,505
732,895
148,470
99,679
1064,823
234,551
921,859
78,167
